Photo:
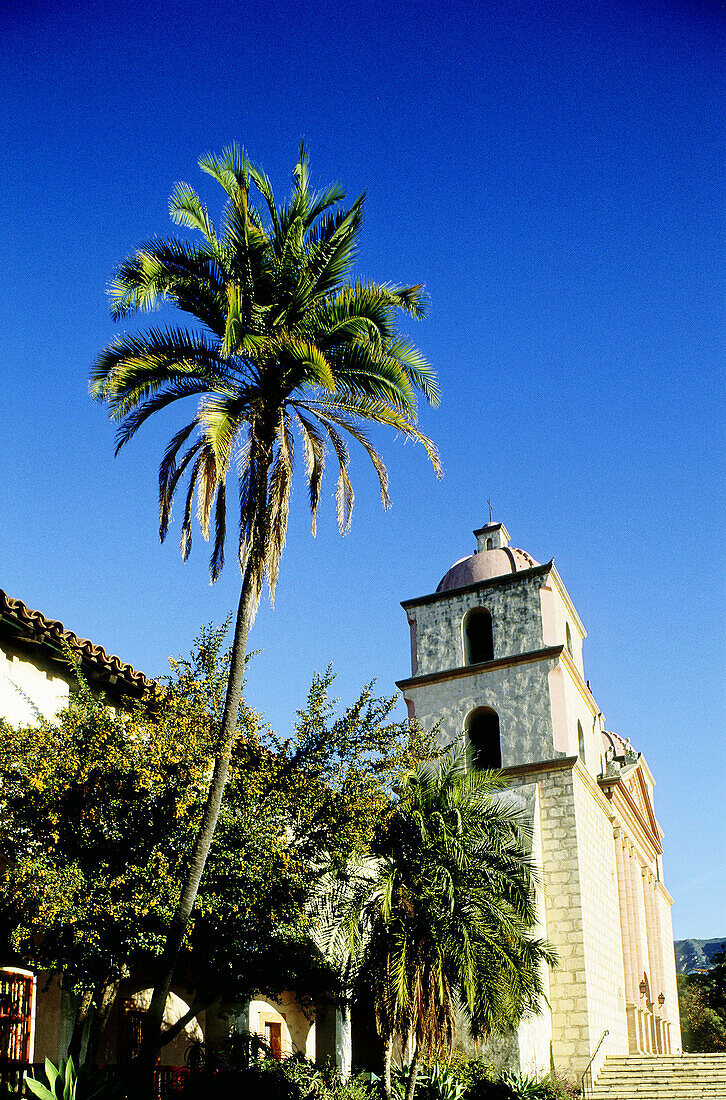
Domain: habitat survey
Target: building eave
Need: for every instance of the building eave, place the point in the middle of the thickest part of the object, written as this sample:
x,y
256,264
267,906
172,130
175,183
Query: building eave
x,y
31,631
492,582
551,653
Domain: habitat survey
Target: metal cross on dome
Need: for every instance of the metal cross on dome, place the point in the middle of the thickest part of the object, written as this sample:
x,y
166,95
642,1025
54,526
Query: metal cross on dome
x,y
490,510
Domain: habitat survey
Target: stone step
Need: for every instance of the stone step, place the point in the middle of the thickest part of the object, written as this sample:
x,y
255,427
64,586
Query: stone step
x,y
665,1073
662,1077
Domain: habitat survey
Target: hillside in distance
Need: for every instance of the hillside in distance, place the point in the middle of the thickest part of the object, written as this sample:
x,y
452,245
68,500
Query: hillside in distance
x,y
697,954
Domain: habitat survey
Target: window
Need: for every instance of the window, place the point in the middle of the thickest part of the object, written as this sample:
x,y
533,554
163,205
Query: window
x,y
16,996
568,638
490,544
478,639
483,744
580,741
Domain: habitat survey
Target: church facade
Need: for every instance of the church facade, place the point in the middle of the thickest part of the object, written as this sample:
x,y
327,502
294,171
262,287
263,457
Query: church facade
x,y
496,659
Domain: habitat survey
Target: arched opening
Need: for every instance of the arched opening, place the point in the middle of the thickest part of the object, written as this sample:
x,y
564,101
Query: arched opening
x,y
490,544
478,638
580,741
483,745
568,638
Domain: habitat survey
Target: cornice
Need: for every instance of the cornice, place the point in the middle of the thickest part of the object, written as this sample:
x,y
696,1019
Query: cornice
x,y
580,684
627,809
551,653
559,763
492,582
559,584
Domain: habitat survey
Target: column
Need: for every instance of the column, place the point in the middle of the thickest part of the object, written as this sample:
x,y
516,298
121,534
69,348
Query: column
x,y
636,893
658,967
626,931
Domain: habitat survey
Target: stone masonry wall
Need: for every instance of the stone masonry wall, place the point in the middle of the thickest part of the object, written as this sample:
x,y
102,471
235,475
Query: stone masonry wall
x,y
601,922
520,696
516,613
563,918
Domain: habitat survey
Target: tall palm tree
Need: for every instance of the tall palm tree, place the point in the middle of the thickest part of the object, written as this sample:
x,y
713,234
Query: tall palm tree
x,y
284,343
438,926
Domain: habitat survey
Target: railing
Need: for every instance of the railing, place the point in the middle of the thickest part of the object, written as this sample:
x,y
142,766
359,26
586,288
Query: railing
x,y
586,1082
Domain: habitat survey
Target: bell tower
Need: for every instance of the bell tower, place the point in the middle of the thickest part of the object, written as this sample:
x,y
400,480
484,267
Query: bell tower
x,y
496,658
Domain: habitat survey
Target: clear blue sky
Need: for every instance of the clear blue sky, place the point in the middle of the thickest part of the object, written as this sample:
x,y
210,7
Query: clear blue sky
x,y
553,173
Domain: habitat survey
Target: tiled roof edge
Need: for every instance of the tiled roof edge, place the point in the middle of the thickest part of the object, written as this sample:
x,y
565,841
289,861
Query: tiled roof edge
x,y
41,629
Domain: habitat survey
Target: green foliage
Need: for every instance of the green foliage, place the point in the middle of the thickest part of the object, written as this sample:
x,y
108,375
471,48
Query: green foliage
x,y
68,1083
442,914
62,1082
101,809
436,1081
97,808
527,1086
702,1002
283,345
266,1078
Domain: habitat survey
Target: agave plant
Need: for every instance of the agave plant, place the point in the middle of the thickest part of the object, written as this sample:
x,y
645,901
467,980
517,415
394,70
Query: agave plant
x,y
63,1081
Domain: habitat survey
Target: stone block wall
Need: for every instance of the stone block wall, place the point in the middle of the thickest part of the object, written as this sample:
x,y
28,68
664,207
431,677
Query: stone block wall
x,y
516,614
519,694
563,917
600,919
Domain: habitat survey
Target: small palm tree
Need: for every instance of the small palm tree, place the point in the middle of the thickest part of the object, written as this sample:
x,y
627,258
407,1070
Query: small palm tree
x,y
284,343
440,923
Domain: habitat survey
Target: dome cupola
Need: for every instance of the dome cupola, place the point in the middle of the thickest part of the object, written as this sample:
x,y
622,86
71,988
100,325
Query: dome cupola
x,y
494,557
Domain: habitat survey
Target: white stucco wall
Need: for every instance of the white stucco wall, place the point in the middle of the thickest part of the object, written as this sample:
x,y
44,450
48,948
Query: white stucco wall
x,y
28,682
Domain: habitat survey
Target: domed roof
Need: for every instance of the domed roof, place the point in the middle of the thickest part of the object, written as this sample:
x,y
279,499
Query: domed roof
x,y
494,558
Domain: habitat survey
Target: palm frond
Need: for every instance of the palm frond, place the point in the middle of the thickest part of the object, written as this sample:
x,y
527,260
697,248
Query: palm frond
x,y
315,455
186,208
278,498
283,333
169,474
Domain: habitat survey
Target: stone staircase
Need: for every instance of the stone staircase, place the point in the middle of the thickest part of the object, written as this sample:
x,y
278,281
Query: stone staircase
x,y
665,1077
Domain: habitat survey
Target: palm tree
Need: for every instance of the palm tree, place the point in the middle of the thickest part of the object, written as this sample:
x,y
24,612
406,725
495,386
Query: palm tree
x,y
283,343
439,924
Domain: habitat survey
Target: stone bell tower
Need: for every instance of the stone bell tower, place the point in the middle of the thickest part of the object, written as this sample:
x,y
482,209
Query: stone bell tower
x,y
496,656
496,661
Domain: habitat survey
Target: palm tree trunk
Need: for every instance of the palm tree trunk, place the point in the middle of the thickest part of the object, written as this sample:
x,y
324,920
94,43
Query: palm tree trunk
x,y
412,1076
387,1057
203,841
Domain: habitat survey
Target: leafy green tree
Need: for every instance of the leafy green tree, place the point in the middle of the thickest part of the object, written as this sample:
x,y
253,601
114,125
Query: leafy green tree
x,y
702,1002
100,810
284,343
442,915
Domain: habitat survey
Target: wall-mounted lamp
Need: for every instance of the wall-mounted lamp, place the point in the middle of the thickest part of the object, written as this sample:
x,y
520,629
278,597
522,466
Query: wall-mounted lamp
x,y
643,988
661,999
